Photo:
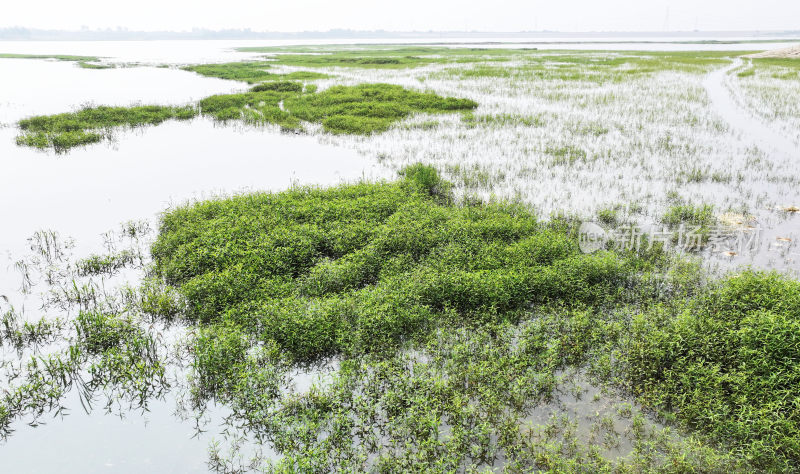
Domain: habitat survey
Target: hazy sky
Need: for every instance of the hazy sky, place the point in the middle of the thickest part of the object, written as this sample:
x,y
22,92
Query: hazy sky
x,y
485,15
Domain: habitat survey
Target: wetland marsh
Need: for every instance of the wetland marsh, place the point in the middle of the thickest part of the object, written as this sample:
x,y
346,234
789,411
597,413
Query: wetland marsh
x,y
368,258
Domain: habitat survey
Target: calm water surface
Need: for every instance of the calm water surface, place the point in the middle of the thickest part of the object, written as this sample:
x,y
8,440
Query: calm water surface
x,y
92,190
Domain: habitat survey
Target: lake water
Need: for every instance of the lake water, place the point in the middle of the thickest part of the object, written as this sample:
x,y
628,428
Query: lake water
x,y
91,190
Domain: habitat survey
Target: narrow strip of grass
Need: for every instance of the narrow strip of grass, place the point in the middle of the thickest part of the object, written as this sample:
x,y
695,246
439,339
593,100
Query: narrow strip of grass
x,y
251,72
378,57
86,62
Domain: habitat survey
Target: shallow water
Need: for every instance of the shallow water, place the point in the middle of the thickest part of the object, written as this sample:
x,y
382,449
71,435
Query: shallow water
x,y
92,190
34,87
720,92
81,443
774,227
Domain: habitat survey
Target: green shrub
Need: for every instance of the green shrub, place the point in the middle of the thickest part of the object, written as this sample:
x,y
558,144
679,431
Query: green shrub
x,y
727,364
363,267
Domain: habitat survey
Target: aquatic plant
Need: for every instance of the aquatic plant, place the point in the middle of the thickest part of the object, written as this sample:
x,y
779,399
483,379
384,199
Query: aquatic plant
x,y
702,215
91,124
734,373
111,359
448,330
368,108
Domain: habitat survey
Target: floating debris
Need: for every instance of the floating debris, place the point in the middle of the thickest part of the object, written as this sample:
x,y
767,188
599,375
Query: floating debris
x,y
791,209
732,219
784,239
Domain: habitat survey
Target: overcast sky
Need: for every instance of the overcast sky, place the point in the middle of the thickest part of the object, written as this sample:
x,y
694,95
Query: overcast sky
x,y
407,15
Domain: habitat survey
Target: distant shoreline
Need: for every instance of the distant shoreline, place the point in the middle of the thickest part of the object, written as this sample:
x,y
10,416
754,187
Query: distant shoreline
x,y
711,37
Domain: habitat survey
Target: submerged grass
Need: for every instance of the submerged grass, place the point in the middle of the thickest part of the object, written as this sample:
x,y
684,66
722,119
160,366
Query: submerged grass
x,y
594,66
377,57
110,356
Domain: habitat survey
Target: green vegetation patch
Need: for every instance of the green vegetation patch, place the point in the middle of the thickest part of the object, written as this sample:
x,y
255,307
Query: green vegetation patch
x,y
728,363
776,68
362,268
445,315
368,108
261,106
91,124
698,215
456,336
86,62
361,109
251,72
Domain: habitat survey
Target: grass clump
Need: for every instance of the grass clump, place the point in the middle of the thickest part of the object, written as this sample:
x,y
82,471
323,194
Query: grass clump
x,y
727,364
261,106
91,124
283,86
497,303
697,215
250,72
361,268
368,108
106,264
60,142
566,155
